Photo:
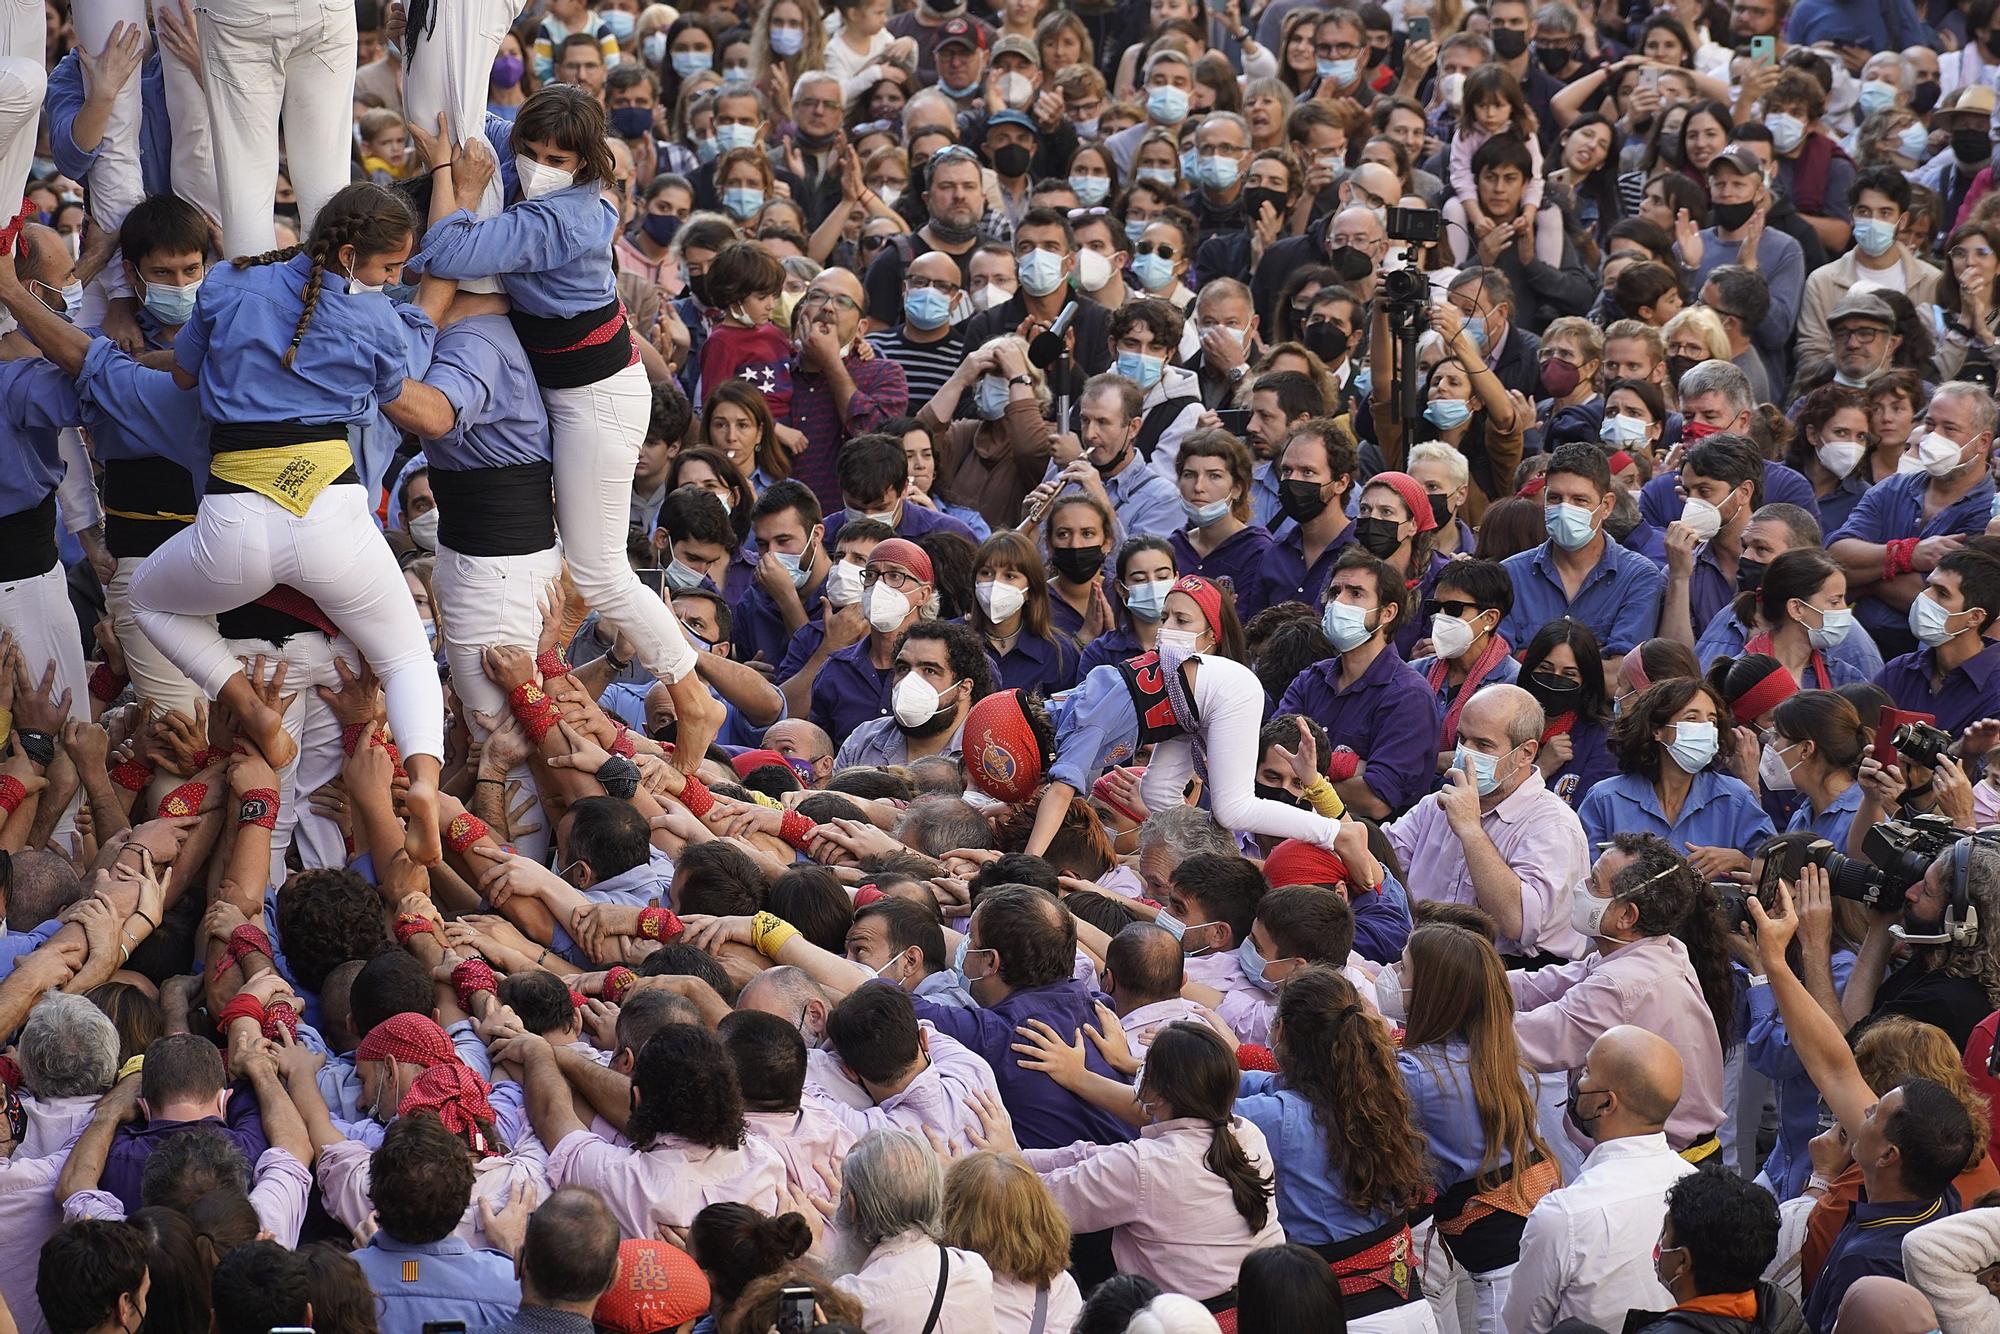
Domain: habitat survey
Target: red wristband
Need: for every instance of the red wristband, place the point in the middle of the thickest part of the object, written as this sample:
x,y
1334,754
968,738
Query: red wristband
x,y
659,924
533,709
1250,1056
184,800
696,797
412,924
622,744
350,737
277,1015
259,807
551,663
796,830
248,939
131,775
105,684
208,755
1896,556
240,1006
577,1000
617,982
469,979
464,830
1341,764
12,793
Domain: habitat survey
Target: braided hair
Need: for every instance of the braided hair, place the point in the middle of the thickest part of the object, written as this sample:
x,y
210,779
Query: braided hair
x,y
370,218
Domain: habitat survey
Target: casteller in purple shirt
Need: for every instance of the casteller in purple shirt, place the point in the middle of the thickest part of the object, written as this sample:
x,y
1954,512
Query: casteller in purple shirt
x,y
1661,502
131,1146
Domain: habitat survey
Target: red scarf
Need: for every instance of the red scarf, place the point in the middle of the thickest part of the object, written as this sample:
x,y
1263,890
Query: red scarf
x,y
1761,643
1489,658
1559,726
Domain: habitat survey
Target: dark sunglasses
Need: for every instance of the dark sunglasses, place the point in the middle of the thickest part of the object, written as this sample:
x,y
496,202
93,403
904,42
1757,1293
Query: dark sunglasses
x,y
1160,248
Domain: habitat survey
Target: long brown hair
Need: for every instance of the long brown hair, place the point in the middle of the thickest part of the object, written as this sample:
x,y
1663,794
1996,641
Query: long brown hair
x,y
772,458
1458,989
1010,549
1337,1055
372,218
1195,1073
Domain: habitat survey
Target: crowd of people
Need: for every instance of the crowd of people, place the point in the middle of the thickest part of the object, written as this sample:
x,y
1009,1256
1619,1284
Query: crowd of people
x,y
1172,666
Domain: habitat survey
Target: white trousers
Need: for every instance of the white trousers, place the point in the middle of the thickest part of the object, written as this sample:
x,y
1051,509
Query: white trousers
x,y
23,83
447,70
37,612
483,601
1460,1301
309,660
1411,1318
267,63
153,677
242,545
597,431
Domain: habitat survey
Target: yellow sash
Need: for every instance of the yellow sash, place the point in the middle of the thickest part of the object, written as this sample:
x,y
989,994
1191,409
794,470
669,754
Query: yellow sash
x,y
291,475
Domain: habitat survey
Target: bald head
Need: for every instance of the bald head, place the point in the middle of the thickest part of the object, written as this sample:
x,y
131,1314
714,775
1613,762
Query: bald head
x,y
1144,961
1880,1305
1643,1069
1509,711
1359,221
936,266
42,884
1376,182
790,994
45,260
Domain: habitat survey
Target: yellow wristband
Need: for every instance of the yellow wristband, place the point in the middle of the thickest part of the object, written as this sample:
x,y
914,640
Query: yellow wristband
x,y
1320,792
6,725
769,932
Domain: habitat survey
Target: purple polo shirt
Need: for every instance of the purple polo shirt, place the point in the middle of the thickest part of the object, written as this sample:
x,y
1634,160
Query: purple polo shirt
x,y
1969,693
1894,508
1389,717
1660,501
1047,665
125,1163
1244,562
1291,579
758,628
880,392
1709,590
850,690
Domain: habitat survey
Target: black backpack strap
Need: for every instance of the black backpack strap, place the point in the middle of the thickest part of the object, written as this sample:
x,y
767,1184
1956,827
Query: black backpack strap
x,y
944,1279
1158,418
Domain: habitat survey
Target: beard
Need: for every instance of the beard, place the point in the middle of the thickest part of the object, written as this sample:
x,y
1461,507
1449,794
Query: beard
x,y
845,1252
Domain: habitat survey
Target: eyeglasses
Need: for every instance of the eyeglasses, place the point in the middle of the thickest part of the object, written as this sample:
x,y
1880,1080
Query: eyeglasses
x,y
1082,214
1338,50
838,300
872,243
1160,248
1960,252
1853,335
896,579
815,104
933,285
1453,607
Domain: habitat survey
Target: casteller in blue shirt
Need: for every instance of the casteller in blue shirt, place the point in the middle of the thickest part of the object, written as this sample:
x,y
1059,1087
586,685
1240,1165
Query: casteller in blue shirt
x,y
1902,507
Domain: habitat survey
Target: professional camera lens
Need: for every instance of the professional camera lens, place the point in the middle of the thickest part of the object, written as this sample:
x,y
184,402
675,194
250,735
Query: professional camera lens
x,y
1852,878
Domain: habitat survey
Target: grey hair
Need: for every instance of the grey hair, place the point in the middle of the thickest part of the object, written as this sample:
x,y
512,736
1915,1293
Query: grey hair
x,y
1799,523
1983,410
1527,721
1219,289
936,825
812,76
1721,377
1559,20
1905,75
1168,56
69,1048
794,987
1186,831
1223,118
891,1184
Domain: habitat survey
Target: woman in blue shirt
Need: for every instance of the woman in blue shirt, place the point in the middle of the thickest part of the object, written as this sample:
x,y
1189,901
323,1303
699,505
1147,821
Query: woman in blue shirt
x,y
1220,542
1563,668
1351,1162
292,350
551,250
1815,749
1474,1100
1146,571
1011,592
1799,615
1671,781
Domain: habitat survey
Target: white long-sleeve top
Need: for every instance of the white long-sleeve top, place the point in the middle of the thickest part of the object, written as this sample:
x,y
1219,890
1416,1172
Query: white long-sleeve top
x,y
1943,1259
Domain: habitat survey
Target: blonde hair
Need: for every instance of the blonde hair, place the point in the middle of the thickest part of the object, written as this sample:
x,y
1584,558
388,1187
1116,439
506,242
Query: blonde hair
x,y
1582,332
1705,324
1020,345
1896,1048
994,1204
1436,451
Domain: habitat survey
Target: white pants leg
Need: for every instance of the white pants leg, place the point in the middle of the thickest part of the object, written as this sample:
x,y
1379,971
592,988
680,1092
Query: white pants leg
x,y
483,601
597,431
1490,1291
1446,1286
38,613
309,660
194,146
263,61
23,81
242,545
115,181
1413,1318
447,70
153,677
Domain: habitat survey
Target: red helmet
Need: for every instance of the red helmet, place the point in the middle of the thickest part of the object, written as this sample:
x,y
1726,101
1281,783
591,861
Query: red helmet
x,y
1002,757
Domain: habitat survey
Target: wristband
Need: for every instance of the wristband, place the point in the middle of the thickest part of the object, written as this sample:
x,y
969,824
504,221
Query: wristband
x,y
551,663
247,939
412,924
866,895
464,830
38,746
622,744
471,978
132,1066
131,775
184,800
280,1015
1896,556
696,797
619,981
1819,1183
208,755
796,830
533,709
1250,1056
12,793
619,777
350,737
769,933
240,1006
1324,798
658,924
577,1000
259,807
1340,765
105,684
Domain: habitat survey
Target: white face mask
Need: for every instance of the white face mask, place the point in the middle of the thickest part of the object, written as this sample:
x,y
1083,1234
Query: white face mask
x,y
991,295
843,584
538,180
1450,636
424,530
1705,519
915,700
1586,911
998,600
1180,641
1839,456
1773,772
884,607
1390,998
1093,271
1937,454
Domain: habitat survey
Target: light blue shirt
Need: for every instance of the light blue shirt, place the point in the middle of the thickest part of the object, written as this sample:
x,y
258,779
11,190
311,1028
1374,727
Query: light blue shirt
x,y
1619,599
498,419
1768,1047
552,254
1145,502
1832,823
1720,812
444,1280
1312,1200
1439,1079
1854,658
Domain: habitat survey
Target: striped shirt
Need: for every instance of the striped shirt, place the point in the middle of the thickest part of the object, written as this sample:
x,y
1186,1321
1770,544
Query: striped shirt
x,y
926,366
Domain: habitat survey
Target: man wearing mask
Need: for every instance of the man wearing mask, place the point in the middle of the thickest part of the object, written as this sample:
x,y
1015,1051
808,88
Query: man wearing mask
x,y
925,24
857,682
1863,338
941,671
928,343
1880,198
1315,472
1485,298
1221,147
1513,38
1812,171
1353,240
1341,43
840,623
1111,410
1227,329
1722,477
1905,526
1952,674
741,121
955,199
1101,256
1558,44
1279,402
791,572
1582,571
1738,235
1366,694
1045,250
1169,82
1967,117
960,54
1011,140
1716,398
817,104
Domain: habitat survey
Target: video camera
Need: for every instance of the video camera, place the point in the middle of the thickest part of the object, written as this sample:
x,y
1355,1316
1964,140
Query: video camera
x,y
1408,289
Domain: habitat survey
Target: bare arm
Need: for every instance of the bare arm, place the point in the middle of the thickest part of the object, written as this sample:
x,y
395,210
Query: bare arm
x,y
1818,1040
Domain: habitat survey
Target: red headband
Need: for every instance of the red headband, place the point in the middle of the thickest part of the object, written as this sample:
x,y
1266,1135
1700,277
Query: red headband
x,y
1206,596
1634,667
1774,689
1413,494
411,1038
1296,863
1620,461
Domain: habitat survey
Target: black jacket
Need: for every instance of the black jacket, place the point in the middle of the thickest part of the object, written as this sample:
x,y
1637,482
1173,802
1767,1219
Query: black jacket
x,y
1777,1313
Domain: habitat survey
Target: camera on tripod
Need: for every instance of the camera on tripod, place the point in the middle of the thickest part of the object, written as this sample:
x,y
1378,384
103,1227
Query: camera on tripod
x,y
1406,291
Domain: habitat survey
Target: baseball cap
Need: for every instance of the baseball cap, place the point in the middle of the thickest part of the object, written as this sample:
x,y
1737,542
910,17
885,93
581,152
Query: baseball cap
x,y
1011,117
1738,157
1016,45
961,32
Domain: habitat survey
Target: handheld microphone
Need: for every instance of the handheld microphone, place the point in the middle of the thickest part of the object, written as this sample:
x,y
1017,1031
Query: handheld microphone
x,y
1047,348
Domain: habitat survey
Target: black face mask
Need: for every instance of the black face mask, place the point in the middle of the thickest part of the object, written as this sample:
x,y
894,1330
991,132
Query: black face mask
x,y
1508,43
1556,694
1012,161
1971,146
1731,216
1924,96
697,287
1303,501
1352,265
1279,795
1749,574
1378,537
1254,199
1440,509
1555,59
1079,565
1328,342
1679,366
289,212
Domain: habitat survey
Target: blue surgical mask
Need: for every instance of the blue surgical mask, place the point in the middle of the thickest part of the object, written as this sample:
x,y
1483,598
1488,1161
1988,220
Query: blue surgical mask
x,y
1570,526
171,305
682,578
788,42
1339,73
1346,625
1201,516
736,74
1485,768
1475,328
619,23
1876,96
799,567
1135,228
1167,106
1190,163
653,49
1622,432
1158,176
1166,921
742,202
1090,190
709,149
927,308
1914,141
1041,272
1153,272
1142,370
687,64
732,135
1253,965
1694,745
1929,621
989,397
1147,601
1874,236
1217,173
1447,413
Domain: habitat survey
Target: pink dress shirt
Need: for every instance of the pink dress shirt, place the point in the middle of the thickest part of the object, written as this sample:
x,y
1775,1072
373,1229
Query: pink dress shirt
x,y
671,1182
807,1140
898,1283
934,1099
1145,1020
1542,842
342,1170
1014,1306
1649,983
1172,1219
29,1214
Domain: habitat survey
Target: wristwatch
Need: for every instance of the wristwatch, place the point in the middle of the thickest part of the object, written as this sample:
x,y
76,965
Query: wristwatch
x,y
1236,373
1025,379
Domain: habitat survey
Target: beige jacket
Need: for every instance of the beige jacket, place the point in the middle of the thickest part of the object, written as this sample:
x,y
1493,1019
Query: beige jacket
x,y
1826,285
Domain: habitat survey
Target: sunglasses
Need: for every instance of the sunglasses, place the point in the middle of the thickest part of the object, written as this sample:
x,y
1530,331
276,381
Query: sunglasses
x,y
1160,248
